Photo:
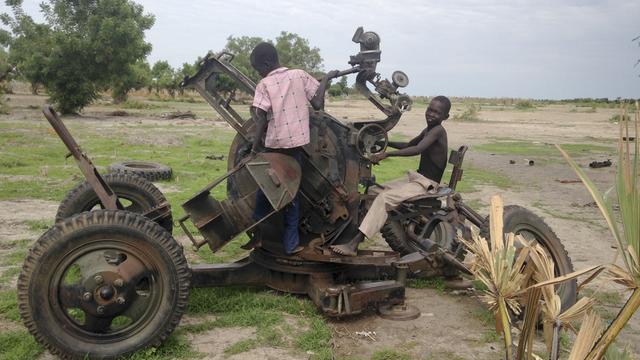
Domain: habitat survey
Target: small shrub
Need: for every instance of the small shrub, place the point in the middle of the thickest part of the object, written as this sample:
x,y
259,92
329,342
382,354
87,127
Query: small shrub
x,y
470,114
617,118
525,105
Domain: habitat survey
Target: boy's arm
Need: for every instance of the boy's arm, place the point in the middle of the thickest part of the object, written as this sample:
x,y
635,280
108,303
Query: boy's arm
x,y
261,127
402,145
428,139
317,101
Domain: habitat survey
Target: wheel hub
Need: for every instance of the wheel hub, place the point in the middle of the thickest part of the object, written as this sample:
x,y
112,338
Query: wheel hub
x,y
106,292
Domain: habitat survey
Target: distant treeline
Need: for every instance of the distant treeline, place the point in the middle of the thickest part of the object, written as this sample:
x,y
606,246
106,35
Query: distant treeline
x,y
84,48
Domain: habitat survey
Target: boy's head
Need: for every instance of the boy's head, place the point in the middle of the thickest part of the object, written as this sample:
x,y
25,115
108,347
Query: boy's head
x,y
438,111
264,58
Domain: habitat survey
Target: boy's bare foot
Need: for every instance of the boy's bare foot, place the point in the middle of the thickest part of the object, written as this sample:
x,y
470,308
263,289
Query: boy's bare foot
x,y
343,249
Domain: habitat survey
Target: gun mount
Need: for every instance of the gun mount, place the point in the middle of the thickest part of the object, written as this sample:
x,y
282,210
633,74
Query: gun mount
x,y
123,263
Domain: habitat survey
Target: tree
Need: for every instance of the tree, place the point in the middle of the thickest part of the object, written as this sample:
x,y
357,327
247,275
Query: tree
x,y
293,51
89,46
340,88
164,77
5,74
241,48
30,47
137,77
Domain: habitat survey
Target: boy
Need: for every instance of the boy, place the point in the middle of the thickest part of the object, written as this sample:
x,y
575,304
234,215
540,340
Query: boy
x,y
431,144
281,110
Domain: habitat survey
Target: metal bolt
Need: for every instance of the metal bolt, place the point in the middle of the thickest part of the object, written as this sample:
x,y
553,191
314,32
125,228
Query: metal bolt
x,y
120,300
98,279
86,296
100,309
118,282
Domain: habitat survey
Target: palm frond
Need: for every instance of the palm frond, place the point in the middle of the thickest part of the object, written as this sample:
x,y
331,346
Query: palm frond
x,y
590,330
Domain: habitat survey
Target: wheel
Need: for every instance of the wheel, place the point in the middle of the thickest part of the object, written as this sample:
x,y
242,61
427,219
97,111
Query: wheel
x,y
151,171
103,284
136,194
519,220
402,237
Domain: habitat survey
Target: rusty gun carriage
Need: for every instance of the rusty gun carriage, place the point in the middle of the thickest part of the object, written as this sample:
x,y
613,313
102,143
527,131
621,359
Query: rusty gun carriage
x,y
109,282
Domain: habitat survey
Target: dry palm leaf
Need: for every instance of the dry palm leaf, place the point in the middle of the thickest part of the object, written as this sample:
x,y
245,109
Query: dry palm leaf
x,y
590,330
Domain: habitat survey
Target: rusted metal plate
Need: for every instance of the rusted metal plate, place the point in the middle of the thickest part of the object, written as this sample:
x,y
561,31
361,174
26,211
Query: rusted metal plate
x,y
277,175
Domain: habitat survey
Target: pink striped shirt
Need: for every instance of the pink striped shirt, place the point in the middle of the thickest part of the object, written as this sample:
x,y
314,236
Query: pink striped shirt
x,y
285,95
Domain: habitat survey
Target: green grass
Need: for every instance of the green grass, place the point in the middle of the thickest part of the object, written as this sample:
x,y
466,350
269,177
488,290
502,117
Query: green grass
x,y
473,178
539,150
9,305
612,298
490,336
390,354
39,226
175,346
436,283
18,345
262,309
241,346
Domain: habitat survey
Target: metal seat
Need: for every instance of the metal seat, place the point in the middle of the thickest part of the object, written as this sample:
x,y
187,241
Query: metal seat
x,y
455,158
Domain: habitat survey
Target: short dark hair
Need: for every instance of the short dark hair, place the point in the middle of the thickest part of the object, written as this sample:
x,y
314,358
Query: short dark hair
x,y
445,100
265,53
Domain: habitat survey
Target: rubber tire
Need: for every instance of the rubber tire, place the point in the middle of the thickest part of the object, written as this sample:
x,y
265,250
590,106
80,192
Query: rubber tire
x,y
126,186
151,171
516,218
395,235
34,302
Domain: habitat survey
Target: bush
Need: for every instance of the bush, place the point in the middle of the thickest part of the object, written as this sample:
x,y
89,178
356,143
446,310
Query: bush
x,y
470,114
617,118
525,105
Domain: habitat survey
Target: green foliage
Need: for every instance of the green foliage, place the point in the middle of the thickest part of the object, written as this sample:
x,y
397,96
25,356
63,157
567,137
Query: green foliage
x,y
164,77
137,77
617,118
340,88
5,74
525,105
84,47
293,52
470,114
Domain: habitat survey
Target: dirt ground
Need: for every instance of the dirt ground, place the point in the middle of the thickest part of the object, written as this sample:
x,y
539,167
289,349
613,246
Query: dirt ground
x,y
449,327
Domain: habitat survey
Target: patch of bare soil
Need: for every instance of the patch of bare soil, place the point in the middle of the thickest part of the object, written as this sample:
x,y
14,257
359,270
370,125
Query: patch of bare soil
x,y
15,213
212,344
448,327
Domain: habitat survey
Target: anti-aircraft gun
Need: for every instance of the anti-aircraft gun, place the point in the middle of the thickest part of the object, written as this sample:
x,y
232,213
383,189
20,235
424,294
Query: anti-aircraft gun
x,y
104,283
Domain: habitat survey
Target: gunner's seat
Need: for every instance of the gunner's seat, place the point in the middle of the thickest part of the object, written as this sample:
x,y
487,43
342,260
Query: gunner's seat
x,y
455,158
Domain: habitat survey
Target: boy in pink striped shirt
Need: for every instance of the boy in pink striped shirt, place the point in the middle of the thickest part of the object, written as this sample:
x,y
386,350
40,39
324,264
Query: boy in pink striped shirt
x,y
281,107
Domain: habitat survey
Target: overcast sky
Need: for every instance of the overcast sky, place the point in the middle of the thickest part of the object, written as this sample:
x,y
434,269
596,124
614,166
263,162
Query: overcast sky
x,y
531,49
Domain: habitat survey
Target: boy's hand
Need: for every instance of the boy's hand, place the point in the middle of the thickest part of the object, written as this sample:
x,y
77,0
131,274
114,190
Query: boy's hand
x,y
376,158
332,74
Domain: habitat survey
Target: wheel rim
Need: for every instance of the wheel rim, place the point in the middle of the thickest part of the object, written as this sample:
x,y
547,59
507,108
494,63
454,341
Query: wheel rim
x,y
106,290
129,203
436,230
531,234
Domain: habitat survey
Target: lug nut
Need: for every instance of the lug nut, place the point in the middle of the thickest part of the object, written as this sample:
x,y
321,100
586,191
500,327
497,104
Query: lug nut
x,y
118,282
98,279
86,296
100,309
120,300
